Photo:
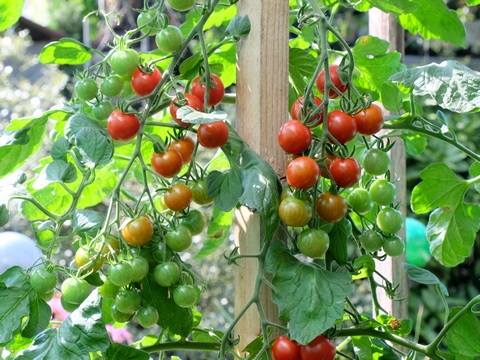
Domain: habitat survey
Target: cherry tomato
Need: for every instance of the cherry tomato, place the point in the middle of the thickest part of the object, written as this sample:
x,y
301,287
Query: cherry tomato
x,y
169,39
192,101
147,316
168,163
128,301
185,296
109,247
185,147
140,268
122,127
345,172
332,94
120,317
213,135
68,307
138,231
144,83
42,280
125,62
108,290
320,348
74,291
285,349
376,162
167,274
217,90
83,257
360,201
326,164
394,246
102,110
47,296
303,173
149,23
297,108
120,274
383,192
370,120
294,137
200,193
331,208
181,5
313,243
179,239
86,89
389,220
341,126
178,197
371,240
295,212
195,221
112,86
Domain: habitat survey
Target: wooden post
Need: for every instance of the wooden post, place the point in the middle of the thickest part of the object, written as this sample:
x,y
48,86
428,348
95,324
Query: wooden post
x,y
262,107
386,27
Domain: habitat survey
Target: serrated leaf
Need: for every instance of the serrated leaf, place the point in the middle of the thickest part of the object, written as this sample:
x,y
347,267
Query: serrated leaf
x,y
301,66
79,122
192,116
59,149
94,146
87,222
423,276
38,319
391,97
226,188
315,296
217,231
56,171
338,241
66,51
452,85
10,12
445,25
118,351
239,25
369,348
463,338
396,7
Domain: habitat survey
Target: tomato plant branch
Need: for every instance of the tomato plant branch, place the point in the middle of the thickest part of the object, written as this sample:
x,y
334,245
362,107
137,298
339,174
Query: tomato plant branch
x,y
182,345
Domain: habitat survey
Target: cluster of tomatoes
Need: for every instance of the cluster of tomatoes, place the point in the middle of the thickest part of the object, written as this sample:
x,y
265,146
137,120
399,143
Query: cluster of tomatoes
x,y
320,348
313,158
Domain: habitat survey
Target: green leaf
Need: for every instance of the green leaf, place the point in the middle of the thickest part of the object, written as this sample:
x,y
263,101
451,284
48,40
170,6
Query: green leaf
x,y
118,351
4,214
414,143
217,231
473,2
192,116
301,67
445,25
66,51
44,233
226,56
452,85
423,276
391,97
338,241
16,300
369,348
52,197
463,338
396,7
239,25
15,137
56,171
226,188
400,327
94,146
10,12
87,222
474,171
59,149
38,319
366,266
375,63
315,296
78,122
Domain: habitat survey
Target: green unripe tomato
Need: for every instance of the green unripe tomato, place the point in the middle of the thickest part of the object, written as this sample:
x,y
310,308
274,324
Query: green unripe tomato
x,y
179,239
313,242
120,317
185,296
140,268
389,220
125,62
112,86
120,274
147,316
43,281
102,110
108,290
69,307
149,23
360,201
371,240
376,162
394,246
74,291
169,39
47,296
181,5
86,89
195,221
167,274
128,301
383,192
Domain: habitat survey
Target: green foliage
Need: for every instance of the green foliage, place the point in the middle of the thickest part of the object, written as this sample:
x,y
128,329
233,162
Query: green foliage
x,y
10,12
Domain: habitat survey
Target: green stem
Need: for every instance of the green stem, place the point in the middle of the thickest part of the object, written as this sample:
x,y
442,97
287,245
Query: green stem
x,y
182,345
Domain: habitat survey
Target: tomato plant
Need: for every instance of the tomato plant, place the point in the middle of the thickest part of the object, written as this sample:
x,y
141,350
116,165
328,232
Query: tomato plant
x,y
74,291
212,135
216,90
112,86
122,127
181,5
167,164
178,197
89,260
143,83
140,268
341,126
108,290
360,201
394,246
169,39
285,349
179,239
191,100
120,274
195,221
335,80
294,137
383,192
185,295
303,173
371,240
138,231
148,22
167,274
200,193
345,172
102,110
147,316
331,207
128,301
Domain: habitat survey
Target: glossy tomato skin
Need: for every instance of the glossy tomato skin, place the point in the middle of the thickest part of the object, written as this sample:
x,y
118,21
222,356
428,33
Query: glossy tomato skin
x,y
212,135
112,86
179,239
303,173
185,296
120,274
389,220
371,240
376,162
200,193
295,212
178,197
192,101
138,231
125,62
369,121
149,22
75,291
128,301
360,201
297,108
195,221
181,5
285,349
383,192
345,172
147,316
341,126
168,163
144,83
331,208
86,89
332,94
166,274
217,90
320,348
83,257
122,127
169,39
294,137
42,280
185,147
102,110
394,246
313,242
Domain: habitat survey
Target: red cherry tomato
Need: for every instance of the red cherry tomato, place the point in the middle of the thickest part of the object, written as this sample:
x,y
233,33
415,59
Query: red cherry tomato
x,y
168,163
144,83
285,349
297,109
369,121
303,173
178,197
217,90
345,172
341,126
320,348
330,207
213,135
185,147
332,94
192,101
294,137
122,127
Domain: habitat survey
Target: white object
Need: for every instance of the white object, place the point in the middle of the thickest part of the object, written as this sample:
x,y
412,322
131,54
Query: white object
x,y
17,249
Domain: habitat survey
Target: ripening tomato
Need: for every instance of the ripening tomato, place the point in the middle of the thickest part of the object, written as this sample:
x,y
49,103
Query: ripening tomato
x,y
345,172
167,164
303,173
297,109
178,197
295,212
330,207
144,83
369,121
217,90
294,137
285,349
138,231
200,192
83,257
326,164
122,127
192,101
185,147
212,135
333,71
320,348
341,126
